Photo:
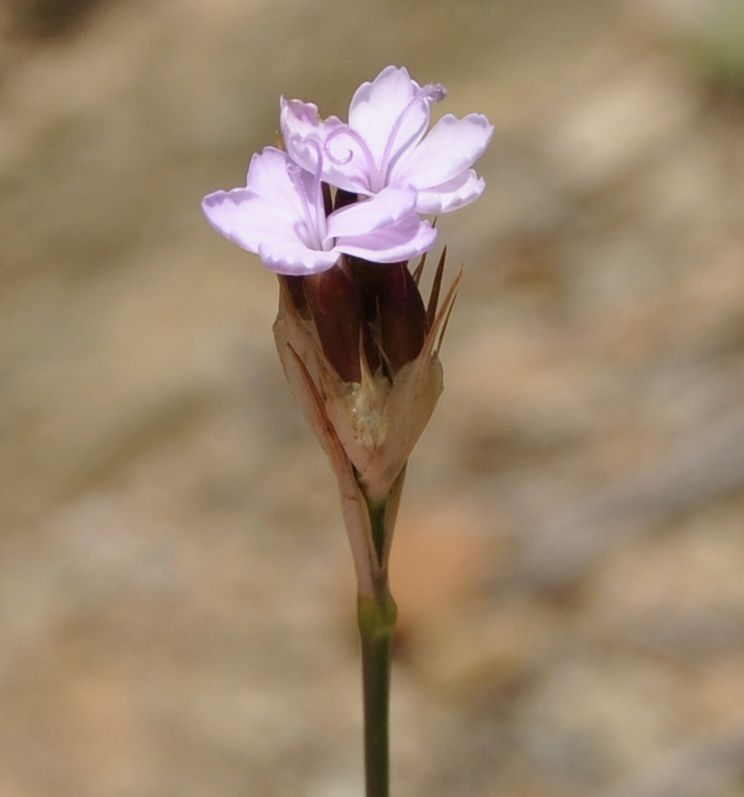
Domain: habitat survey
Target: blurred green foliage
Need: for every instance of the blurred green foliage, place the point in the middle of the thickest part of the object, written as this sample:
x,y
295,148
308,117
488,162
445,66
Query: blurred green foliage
x,y
719,48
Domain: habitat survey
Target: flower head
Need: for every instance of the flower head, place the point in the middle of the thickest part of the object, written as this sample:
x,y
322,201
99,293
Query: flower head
x,y
280,215
385,143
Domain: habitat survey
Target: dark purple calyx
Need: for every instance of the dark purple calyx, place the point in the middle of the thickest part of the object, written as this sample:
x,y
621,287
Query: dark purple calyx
x,y
334,304
394,310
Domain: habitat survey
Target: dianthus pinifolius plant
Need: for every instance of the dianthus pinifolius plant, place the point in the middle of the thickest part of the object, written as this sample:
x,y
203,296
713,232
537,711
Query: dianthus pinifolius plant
x,y
337,215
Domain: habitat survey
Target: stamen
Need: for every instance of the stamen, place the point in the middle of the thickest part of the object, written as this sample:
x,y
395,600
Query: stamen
x,y
320,214
359,141
295,175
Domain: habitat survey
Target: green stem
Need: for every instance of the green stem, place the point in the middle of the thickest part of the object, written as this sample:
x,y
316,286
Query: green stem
x,y
377,615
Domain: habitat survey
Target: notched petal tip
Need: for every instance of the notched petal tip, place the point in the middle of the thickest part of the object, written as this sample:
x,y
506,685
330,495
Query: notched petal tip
x,y
436,92
452,195
226,213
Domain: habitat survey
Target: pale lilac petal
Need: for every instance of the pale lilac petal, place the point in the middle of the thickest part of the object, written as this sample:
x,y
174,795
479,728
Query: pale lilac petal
x,y
271,215
368,215
283,257
300,123
307,137
452,195
408,238
274,177
347,161
247,219
451,146
256,225
376,107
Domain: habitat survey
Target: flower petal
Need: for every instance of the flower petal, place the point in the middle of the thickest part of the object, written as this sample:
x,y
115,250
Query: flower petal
x,y
368,215
407,238
452,195
295,258
306,136
274,177
247,219
269,216
300,122
377,107
451,146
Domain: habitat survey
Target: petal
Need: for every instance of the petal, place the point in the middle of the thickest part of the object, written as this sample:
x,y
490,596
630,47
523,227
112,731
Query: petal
x,y
247,219
408,238
267,216
300,122
384,109
451,146
347,161
452,195
368,215
304,132
274,177
295,258
306,136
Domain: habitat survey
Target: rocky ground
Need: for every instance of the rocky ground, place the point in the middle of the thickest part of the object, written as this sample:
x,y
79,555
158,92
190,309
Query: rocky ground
x,y
176,602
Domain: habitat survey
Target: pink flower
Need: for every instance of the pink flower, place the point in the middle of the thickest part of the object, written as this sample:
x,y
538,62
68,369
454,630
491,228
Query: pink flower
x,y
385,143
280,215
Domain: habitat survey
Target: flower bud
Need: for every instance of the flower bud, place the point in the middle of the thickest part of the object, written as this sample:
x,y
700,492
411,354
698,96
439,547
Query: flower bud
x,y
335,308
376,417
394,307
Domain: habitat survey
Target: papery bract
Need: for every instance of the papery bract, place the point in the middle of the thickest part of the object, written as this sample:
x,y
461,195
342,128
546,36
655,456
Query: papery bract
x,y
280,216
385,143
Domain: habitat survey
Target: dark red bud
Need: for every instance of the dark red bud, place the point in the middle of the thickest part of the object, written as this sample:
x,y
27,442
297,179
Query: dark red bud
x,y
394,307
296,291
334,305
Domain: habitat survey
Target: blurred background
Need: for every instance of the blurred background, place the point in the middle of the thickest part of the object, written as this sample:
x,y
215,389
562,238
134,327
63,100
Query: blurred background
x,y
176,595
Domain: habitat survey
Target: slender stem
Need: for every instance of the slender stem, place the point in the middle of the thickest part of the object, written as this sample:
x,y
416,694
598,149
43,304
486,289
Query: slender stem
x,y
377,615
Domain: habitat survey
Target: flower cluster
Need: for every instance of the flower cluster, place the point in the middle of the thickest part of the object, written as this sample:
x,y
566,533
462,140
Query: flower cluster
x,y
386,170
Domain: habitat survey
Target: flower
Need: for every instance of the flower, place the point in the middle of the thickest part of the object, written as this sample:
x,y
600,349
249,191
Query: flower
x,y
281,216
385,143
